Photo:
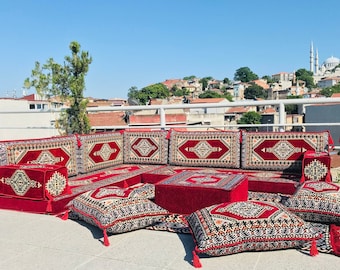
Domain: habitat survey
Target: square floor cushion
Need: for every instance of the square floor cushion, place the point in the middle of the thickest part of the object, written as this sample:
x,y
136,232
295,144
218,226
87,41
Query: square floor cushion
x,y
116,210
230,228
316,201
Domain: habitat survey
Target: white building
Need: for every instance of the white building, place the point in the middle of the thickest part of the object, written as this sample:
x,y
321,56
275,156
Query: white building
x,y
329,68
28,117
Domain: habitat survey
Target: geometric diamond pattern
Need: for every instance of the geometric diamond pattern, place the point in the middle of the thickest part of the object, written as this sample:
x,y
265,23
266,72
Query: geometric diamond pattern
x,y
315,170
20,182
144,147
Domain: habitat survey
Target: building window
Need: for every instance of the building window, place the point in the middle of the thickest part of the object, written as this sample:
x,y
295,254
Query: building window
x,y
32,107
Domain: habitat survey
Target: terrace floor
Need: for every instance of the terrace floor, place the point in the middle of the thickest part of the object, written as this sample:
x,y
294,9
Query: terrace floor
x,y
35,241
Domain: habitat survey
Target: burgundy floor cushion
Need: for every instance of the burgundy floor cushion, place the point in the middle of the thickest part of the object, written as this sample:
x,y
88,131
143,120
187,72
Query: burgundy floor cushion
x,y
316,201
189,191
230,228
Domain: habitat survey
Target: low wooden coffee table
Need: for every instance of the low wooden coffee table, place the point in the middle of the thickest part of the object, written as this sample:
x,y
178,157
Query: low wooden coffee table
x,y
189,191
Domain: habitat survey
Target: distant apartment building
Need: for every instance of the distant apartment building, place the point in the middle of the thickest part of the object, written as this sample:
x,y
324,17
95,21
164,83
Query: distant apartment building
x,y
28,117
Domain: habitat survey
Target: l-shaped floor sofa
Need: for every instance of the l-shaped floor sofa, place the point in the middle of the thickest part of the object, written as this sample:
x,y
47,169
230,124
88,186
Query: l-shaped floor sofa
x,y
187,171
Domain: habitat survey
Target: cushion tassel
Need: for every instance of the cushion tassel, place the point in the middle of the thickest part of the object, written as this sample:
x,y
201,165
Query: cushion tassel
x,y
65,216
49,206
313,249
106,239
196,260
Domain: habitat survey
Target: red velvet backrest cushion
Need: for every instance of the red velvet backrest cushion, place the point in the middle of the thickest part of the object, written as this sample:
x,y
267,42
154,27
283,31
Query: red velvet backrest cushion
x,y
279,150
205,148
60,151
100,150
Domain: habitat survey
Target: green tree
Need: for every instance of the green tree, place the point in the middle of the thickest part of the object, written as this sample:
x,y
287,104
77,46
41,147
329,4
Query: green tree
x,y
189,77
132,92
268,78
157,90
250,118
67,81
306,76
244,74
292,108
226,81
329,91
204,81
210,94
228,96
179,92
255,91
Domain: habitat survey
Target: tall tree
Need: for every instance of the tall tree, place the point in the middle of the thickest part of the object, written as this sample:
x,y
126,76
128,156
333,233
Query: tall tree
x,y
157,90
204,81
67,81
251,118
244,74
255,91
306,76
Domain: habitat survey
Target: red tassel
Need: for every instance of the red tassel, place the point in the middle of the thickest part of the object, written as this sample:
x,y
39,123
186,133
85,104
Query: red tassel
x,y
78,140
313,249
168,135
106,239
49,206
196,260
65,216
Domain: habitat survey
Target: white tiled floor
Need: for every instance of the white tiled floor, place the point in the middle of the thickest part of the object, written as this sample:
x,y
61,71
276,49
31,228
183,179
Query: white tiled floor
x,y
31,241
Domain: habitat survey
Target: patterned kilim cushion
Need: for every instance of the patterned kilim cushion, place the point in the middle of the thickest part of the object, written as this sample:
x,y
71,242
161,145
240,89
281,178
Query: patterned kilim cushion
x,y
317,202
316,166
230,228
54,151
146,147
33,181
205,148
279,150
323,244
171,223
101,150
116,212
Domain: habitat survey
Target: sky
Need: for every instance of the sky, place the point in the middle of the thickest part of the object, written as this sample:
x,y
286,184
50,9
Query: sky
x,y
143,42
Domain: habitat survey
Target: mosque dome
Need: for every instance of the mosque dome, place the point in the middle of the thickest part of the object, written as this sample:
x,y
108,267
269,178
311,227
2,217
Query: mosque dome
x,y
331,62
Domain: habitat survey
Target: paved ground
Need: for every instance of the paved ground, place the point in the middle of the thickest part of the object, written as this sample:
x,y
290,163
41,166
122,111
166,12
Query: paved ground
x,y
31,241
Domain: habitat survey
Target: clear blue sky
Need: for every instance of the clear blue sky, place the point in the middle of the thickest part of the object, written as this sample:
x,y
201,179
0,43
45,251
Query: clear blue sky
x,y
141,42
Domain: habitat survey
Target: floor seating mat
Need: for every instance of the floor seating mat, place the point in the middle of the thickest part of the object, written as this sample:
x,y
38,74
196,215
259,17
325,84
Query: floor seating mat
x,y
260,181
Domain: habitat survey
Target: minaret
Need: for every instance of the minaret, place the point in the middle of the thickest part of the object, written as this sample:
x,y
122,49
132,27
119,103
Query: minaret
x,y
311,58
316,62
